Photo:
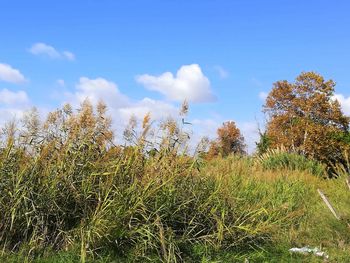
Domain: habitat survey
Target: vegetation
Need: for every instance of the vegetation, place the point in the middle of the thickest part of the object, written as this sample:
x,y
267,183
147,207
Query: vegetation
x,y
229,141
305,118
69,194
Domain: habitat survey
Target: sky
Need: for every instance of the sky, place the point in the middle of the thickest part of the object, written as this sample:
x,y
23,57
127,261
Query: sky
x,y
149,56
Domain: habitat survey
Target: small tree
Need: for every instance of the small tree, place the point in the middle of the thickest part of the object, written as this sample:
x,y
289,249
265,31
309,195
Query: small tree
x,y
230,140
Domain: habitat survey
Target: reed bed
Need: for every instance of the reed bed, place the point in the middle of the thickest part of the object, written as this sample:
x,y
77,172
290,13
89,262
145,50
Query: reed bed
x,y
66,188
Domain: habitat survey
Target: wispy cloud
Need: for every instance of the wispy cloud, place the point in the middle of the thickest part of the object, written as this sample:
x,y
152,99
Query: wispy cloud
x,y
42,49
189,84
10,74
68,55
263,95
223,73
61,82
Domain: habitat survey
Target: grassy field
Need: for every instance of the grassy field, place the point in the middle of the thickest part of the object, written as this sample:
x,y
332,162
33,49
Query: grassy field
x,y
66,197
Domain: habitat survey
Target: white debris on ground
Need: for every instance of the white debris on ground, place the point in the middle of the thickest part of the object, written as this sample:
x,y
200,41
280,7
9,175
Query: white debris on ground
x,y
306,250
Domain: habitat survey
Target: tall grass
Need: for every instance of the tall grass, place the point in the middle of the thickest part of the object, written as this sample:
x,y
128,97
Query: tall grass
x,y
64,186
277,159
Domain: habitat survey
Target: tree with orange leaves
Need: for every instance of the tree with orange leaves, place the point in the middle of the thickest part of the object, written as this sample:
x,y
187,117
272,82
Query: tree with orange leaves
x,y
230,140
304,116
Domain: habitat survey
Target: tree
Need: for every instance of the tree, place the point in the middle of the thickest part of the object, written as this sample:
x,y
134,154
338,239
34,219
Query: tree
x,y
230,140
303,116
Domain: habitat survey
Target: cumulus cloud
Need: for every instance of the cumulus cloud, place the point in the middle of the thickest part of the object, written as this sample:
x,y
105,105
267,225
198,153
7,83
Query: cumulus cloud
x,y
12,98
96,90
10,74
189,84
43,49
344,102
12,103
121,107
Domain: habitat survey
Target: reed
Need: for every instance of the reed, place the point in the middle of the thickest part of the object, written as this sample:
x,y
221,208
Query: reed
x,y
67,192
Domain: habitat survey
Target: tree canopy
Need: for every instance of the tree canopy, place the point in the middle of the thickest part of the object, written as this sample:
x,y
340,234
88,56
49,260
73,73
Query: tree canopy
x,y
305,117
230,140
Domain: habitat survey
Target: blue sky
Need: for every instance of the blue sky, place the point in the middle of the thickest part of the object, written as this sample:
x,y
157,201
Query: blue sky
x,y
223,56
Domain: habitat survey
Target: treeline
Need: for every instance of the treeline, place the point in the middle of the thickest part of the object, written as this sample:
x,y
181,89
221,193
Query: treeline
x,y
303,117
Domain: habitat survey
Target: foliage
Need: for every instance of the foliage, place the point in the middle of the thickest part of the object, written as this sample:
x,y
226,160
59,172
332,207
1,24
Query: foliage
x,y
229,141
304,117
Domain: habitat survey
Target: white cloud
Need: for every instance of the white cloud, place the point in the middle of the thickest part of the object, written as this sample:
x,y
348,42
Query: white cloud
x,y
344,102
206,127
43,49
12,98
68,55
121,108
157,109
189,84
9,114
250,131
49,51
263,95
96,90
223,73
10,74
12,105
